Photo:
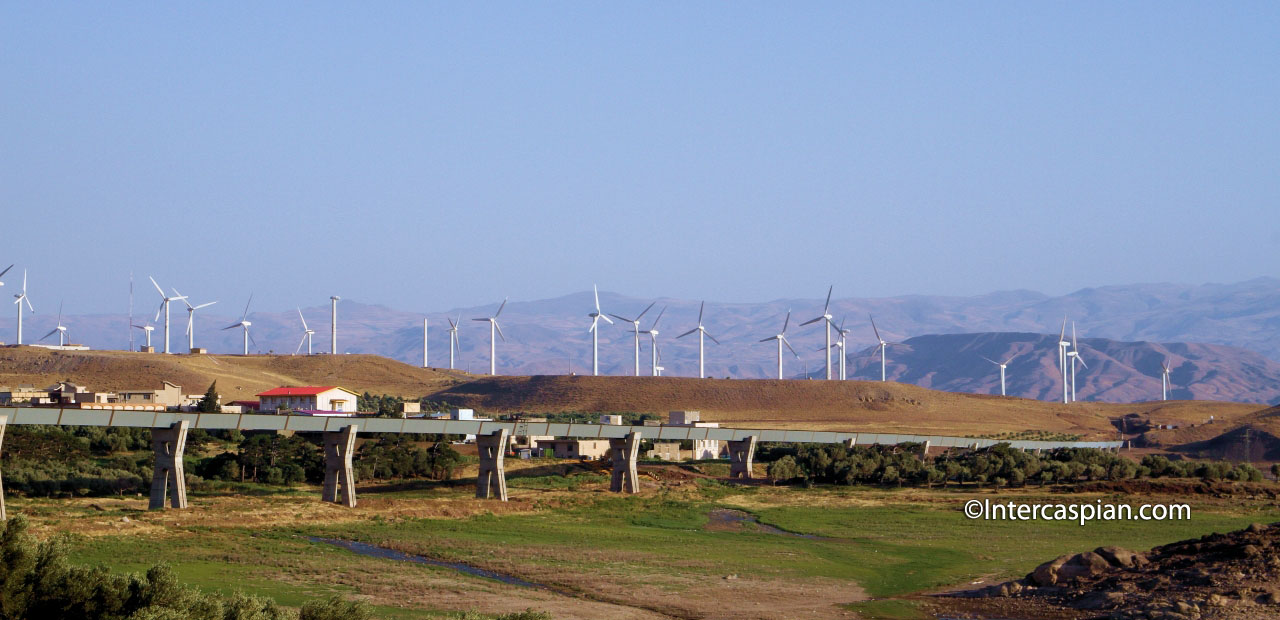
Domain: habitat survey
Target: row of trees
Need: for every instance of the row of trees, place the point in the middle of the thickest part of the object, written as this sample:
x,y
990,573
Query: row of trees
x,y
998,465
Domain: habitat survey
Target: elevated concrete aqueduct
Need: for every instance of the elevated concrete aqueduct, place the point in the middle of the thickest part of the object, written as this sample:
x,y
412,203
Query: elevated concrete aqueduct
x,y
169,437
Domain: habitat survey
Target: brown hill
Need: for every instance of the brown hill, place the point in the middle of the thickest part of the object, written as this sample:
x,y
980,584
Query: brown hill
x,y
834,405
1251,437
238,376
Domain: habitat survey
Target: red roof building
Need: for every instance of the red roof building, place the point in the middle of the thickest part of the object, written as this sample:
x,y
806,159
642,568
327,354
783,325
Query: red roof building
x,y
315,398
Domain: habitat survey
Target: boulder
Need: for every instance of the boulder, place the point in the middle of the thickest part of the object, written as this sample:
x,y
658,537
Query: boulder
x,y
1117,556
1047,574
1088,564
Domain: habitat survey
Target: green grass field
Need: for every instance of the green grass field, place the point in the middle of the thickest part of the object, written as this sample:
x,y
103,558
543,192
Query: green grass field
x,y
572,536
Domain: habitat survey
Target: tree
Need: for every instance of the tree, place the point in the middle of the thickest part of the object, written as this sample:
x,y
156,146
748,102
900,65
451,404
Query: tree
x,y
785,469
210,402
1275,471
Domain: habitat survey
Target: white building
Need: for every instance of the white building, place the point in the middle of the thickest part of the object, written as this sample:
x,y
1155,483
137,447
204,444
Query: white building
x,y
307,398
702,448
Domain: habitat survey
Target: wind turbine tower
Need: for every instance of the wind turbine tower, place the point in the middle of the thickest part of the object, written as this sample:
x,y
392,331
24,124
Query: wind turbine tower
x,y
148,329
635,326
884,349
702,331
781,337
495,332
424,344
1165,369
191,318
655,369
244,324
333,324
1002,367
1075,356
164,305
827,324
595,333
1062,357
453,337
19,299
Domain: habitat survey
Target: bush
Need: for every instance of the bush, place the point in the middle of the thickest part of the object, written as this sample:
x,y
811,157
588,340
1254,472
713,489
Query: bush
x,y
785,469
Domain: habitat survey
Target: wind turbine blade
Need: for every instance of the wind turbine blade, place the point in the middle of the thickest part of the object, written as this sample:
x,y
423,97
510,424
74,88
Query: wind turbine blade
x,y
607,319
255,342
304,320
246,308
204,305
499,327
51,332
989,360
232,326
448,318
6,270
177,295
59,313
623,318
594,320
811,322
827,305
190,322
1081,360
700,309
1006,362
300,343
596,291
1063,333
769,338
481,319
1073,336
687,333
713,338
158,289
638,316
793,351
786,321
655,321
873,328
29,306
158,310
504,305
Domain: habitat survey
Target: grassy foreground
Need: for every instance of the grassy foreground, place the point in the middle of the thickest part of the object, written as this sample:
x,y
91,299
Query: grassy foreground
x,y
603,555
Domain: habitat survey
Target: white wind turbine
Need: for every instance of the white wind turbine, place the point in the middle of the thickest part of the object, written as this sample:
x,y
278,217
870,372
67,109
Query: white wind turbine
x,y
244,324
884,348
453,338
494,329
826,328
307,332
61,329
702,331
1075,356
844,351
18,299
781,337
1165,383
635,325
1002,366
164,306
595,333
148,329
191,318
1062,357
653,344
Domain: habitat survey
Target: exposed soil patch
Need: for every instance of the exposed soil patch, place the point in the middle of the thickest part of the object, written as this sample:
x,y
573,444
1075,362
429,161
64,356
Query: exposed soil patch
x,y
1233,575
730,520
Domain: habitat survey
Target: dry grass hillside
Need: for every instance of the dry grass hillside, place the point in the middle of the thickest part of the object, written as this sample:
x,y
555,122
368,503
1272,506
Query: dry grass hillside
x,y
238,376
832,405
1253,437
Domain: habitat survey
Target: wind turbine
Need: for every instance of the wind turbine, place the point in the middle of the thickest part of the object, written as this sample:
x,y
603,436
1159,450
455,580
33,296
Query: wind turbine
x,y
702,331
635,325
244,323
148,329
1165,383
653,343
191,316
1062,356
840,345
453,338
61,329
595,333
333,324
18,299
164,305
425,360
307,332
1074,355
826,327
884,348
1002,367
781,337
494,329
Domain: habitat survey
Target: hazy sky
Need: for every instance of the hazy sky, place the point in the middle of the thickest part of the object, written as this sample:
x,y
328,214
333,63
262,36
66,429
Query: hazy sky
x,y
433,155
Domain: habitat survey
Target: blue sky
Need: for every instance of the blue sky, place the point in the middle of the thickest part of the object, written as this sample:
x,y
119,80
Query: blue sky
x,y
433,155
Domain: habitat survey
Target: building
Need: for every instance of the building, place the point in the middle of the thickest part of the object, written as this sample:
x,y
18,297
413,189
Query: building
x,y
24,394
308,398
702,448
666,451
169,395
519,442
611,419
576,448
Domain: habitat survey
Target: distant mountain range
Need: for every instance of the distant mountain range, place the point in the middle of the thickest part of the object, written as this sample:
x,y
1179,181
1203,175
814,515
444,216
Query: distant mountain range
x,y
1219,336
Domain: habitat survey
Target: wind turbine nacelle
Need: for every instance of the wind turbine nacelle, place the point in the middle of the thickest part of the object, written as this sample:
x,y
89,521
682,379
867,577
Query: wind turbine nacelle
x,y
246,323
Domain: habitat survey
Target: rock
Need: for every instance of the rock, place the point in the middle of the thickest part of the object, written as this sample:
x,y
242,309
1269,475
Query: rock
x,y
124,519
1217,600
1117,556
1255,528
1099,600
731,577
1047,574
1184,607
1270,598
1087,564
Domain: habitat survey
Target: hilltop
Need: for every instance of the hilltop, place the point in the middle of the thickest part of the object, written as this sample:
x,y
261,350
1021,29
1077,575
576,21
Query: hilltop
x,y
238,376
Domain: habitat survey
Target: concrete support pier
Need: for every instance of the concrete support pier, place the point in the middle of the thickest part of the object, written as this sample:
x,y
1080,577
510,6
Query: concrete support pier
x,y
626,452
339,480
4,421
741,453
850,443
924,451
492,481
168,445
